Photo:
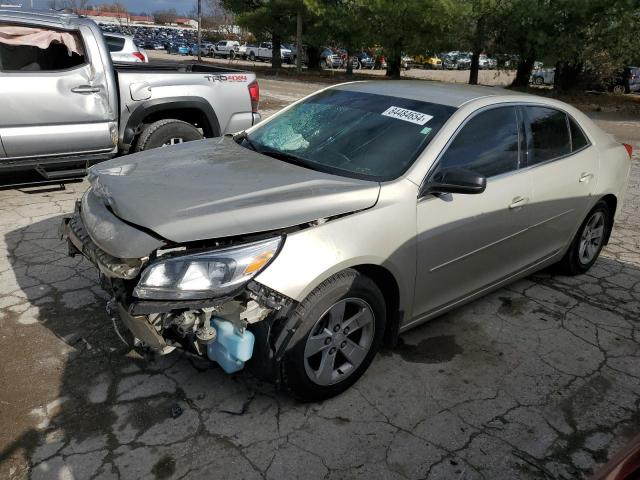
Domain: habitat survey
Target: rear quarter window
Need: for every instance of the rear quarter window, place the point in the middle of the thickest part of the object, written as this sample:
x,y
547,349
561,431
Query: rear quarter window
x,y
114,44
578,139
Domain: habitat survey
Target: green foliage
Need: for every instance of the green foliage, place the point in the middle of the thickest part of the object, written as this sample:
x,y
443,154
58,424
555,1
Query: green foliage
x,y
594,37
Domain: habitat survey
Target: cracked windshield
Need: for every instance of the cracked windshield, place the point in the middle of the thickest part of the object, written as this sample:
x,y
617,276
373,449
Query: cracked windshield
x,y
349,133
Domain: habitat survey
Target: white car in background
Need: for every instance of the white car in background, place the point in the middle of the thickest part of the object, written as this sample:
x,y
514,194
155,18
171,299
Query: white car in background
x,y
123,49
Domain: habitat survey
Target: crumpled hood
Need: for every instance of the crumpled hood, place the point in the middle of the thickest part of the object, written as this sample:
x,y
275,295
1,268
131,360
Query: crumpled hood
x,y
217,188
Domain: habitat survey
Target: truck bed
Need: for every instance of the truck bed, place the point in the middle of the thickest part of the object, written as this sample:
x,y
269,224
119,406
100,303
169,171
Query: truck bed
x,y
177,67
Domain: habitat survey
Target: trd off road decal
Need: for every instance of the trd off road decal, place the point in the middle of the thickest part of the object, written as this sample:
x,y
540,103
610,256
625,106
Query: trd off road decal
x,y
226,78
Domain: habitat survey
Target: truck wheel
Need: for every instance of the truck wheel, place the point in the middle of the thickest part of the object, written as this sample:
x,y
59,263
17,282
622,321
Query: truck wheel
x,y
538,81
252,56
232,55
166,132
341,328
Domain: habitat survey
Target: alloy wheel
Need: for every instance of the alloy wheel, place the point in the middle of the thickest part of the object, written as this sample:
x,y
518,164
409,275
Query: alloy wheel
x,y
339,341
591,238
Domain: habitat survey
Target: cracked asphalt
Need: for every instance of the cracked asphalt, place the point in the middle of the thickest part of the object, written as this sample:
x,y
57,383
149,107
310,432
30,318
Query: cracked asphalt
x,y
539,380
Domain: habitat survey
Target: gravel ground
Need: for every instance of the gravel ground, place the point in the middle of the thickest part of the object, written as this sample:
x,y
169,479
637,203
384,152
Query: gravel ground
x,y
537,380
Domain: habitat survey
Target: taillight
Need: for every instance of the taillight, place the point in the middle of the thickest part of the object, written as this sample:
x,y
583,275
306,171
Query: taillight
x,y
254,94
629,149
138,55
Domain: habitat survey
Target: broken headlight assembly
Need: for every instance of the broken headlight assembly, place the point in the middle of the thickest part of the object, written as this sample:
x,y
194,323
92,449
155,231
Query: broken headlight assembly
x,y
206,274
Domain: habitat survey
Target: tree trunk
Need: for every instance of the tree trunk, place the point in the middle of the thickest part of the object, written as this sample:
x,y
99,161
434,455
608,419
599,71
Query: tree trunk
x,y
523,73
393,64
349,64
475,66
313,58
299,39
276,55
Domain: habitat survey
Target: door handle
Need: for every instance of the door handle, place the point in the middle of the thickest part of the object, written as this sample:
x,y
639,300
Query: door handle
x,y
585,177
517,202
84,89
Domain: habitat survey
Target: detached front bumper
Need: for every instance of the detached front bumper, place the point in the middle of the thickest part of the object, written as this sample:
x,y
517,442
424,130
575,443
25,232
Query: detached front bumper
x,y
79,241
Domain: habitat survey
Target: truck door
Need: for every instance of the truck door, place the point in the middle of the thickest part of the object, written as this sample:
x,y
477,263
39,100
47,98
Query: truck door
x,y
55,100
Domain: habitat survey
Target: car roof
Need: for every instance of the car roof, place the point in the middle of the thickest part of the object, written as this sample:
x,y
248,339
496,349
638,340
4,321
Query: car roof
x,y
450,94
62,19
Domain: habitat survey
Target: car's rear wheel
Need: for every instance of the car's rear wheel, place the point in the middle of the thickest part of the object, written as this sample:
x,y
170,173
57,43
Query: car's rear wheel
x,y
538,81
588,241
341,328
619,90
167,132
252,56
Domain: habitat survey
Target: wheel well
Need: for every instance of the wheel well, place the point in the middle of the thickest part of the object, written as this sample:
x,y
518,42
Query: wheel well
x,y
193,116
387,284
612,202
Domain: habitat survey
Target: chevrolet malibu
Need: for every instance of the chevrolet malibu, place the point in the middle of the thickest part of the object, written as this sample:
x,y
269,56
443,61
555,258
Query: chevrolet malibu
x,y
302,244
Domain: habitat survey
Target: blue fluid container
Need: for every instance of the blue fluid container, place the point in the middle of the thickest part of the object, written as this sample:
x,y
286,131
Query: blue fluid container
x,y
230,349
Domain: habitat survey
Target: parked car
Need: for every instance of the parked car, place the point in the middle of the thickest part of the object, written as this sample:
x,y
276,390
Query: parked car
x,y
365,60
225,49
264,52
487,63
449,61
179,49
242,51
122,48
543,76
203,48
381,62
405,62
627,82
330,59
88,109
427,60
300,282
463,61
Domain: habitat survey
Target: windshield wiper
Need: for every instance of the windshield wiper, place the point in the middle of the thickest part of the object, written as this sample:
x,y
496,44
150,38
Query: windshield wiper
x,y
287,157
245,136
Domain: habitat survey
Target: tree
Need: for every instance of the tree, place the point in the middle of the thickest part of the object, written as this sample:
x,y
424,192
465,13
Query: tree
x,y
401,26
266,19
165,17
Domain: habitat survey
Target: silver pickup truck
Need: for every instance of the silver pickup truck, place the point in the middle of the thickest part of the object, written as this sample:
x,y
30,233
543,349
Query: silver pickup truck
x,y
65,106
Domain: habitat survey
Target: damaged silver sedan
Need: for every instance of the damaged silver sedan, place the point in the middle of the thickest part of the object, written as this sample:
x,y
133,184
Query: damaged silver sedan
x,y
298,247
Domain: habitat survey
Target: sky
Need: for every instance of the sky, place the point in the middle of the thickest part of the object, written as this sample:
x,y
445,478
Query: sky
x,y
134,6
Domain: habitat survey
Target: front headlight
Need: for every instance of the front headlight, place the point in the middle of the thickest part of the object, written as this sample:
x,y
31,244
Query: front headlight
x,y
205,275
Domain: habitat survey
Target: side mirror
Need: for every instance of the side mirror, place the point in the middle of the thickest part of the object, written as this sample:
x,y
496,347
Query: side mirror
x,y
456,180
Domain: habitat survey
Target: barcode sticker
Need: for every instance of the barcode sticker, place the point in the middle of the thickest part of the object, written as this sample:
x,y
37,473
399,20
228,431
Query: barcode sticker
x,y
407,115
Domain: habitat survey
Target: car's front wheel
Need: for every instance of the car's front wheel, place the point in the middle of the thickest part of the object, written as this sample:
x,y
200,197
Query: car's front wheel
x,y
341,328
588,241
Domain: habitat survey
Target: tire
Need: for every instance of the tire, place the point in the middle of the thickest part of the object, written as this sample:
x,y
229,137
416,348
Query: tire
x,y
160,133
301,370
232,55
575,262
619,90
252,56
538,81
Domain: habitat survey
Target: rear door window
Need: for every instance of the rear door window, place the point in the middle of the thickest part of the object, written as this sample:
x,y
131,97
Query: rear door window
x,y
488,144
547,133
